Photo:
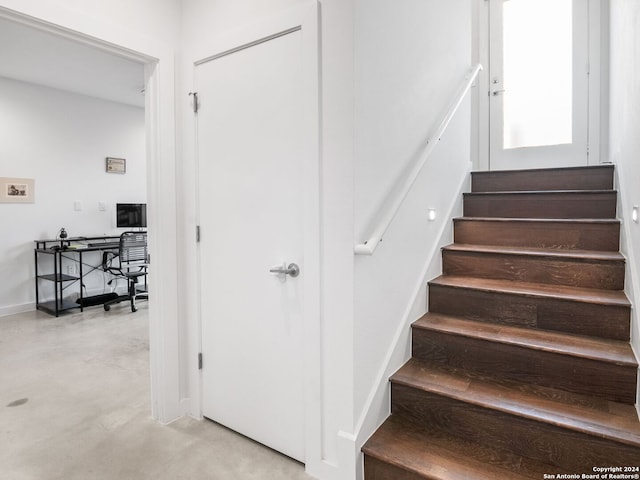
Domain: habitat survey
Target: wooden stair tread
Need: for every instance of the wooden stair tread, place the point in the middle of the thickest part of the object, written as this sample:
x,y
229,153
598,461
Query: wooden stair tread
x,y
437,456
587,295
540,220
506,396
604,350
596,255
541,192
545,170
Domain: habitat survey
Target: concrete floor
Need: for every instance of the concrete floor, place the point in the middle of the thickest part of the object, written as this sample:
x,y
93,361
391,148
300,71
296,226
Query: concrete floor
x,y
74,404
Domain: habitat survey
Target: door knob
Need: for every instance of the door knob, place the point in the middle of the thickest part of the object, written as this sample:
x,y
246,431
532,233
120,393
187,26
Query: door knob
x,y
292,270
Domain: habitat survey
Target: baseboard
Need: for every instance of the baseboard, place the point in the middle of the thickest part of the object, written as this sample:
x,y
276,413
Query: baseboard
x,y
13,309
183,411
343,468
28,307
632,280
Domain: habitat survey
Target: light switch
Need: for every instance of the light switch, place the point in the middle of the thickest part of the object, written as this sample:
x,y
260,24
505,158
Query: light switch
x,y
77,205
102,206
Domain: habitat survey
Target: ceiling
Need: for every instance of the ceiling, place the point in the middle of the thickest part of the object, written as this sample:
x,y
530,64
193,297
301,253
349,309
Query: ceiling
x,y
43,58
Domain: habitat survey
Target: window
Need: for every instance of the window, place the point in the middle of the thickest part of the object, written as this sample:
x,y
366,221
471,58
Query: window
x,y
538,71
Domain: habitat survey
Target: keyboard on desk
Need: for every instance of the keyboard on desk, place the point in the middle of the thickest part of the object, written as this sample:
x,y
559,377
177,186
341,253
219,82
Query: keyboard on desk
x,y
105,245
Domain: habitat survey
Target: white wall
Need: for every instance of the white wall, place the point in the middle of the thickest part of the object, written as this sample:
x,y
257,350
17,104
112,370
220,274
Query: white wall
x,y
152,19
624,143
61,140
411,58
406,75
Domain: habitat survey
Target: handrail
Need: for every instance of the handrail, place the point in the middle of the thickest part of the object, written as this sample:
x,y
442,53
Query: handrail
x,y
369,246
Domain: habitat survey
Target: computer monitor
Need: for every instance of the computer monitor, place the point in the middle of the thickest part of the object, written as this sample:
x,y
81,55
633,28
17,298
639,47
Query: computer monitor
x,y
131,215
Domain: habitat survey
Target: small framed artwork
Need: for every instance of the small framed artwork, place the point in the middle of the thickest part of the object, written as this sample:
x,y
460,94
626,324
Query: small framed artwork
x,y
116,165
17,190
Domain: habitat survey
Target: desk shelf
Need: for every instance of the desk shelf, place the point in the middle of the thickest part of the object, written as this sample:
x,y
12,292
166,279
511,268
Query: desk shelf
x,y
60,277
54,309
51,253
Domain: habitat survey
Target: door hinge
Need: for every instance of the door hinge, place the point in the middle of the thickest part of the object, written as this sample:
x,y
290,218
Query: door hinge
x,y
195,101
200,361
197,233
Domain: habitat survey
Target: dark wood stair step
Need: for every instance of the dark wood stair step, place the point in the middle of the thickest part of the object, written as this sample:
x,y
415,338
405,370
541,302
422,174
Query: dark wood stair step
x,y
595,255
400,451
587,295
582,311
553,428
612,351
598,177
561,233
580,268
590,366
542,204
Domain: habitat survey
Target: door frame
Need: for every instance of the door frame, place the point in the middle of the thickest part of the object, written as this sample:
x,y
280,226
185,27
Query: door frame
x,y
304,18
159,75
597,134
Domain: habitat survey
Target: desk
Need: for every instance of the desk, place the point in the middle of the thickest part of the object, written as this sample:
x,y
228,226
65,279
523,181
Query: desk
x,y
72,249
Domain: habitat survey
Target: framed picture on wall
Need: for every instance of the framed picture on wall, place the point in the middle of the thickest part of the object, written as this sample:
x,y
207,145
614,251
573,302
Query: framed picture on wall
x,y
116,165
17,190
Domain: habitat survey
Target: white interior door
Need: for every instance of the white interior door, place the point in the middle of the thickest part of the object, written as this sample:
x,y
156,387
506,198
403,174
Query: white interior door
x,y
252,208
539,83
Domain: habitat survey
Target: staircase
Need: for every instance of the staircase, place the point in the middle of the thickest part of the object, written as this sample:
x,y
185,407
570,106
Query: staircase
x,y
522,367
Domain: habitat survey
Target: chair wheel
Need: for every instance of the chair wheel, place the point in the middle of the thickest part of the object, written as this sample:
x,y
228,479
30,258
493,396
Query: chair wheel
x,y
134,309
107,308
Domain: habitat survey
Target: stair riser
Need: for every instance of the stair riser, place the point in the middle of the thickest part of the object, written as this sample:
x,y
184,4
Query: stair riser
x,y
597,320
559,235
541,205
543,442
599,178
553,271
519,363
375,469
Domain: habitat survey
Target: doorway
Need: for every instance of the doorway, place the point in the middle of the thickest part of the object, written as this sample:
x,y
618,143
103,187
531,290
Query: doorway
x,y
157,64
542,83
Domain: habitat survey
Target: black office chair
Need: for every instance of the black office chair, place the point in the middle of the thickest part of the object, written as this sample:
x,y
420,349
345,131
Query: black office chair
x,y
130,263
